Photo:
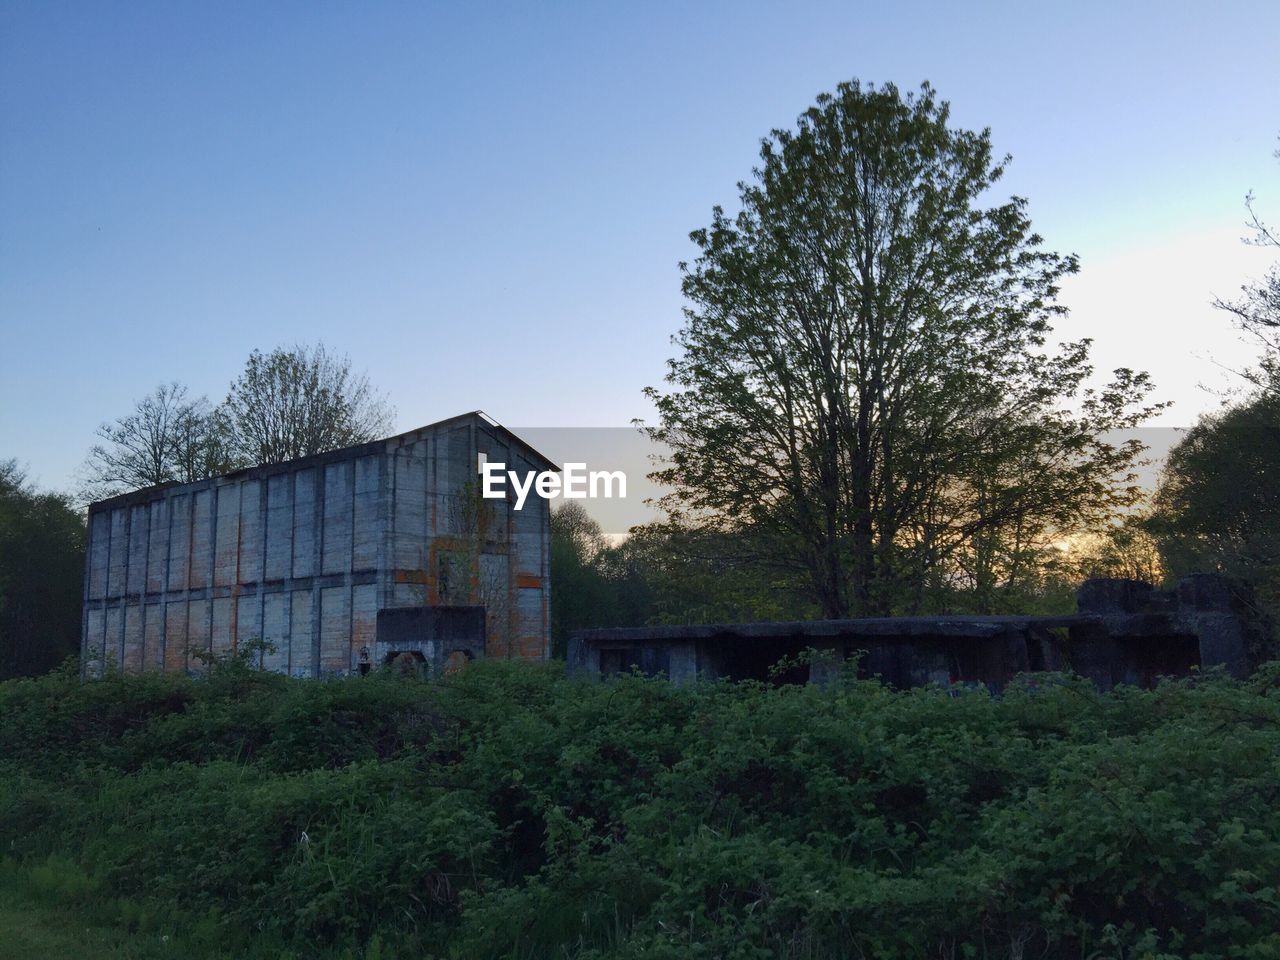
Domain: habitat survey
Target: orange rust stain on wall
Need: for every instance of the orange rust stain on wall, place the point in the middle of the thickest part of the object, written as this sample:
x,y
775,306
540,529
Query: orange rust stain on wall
x,y
418,577
529,648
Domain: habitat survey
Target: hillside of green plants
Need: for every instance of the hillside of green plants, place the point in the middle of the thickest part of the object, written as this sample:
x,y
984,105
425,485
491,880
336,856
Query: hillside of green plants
x,y
510,812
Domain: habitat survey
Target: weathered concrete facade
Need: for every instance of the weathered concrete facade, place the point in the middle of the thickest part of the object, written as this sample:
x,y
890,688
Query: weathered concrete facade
x,y
305,554
1125,632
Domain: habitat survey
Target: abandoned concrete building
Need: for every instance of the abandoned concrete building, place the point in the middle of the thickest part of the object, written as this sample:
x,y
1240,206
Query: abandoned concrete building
x,y
1125,631
339,561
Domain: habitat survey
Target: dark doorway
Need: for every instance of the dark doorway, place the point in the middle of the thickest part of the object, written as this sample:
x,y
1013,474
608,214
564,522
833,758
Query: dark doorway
x,y
774,661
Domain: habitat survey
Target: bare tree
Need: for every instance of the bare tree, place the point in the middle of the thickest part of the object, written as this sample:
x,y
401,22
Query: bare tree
x,y
166,439
286,404
1257,310
293,403
205,444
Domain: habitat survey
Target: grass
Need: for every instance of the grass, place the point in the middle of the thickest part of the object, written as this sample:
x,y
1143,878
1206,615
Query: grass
x,y
45,915
34,930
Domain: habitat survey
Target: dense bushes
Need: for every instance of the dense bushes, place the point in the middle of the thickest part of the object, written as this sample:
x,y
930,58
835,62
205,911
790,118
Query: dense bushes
x,y
507,811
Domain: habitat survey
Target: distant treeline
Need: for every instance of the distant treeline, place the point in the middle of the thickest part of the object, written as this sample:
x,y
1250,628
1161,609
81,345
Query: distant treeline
x,y
42,539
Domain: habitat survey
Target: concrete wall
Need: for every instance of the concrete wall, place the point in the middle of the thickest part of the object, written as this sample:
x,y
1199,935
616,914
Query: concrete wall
x,y
1125,632
304,555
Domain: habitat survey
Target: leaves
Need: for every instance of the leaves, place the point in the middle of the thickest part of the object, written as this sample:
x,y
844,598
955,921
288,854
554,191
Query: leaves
x,y
508,811
862,376
1218,504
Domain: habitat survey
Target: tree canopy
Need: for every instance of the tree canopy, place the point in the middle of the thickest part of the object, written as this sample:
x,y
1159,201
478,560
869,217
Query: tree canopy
x,y
1218,504
41,576
863,377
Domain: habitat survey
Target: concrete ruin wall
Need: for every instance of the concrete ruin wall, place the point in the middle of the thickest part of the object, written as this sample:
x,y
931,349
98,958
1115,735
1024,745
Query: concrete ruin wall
x,y
1125,632
305,554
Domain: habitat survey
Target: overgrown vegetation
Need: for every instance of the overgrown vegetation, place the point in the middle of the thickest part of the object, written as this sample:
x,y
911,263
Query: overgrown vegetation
x,y
510,812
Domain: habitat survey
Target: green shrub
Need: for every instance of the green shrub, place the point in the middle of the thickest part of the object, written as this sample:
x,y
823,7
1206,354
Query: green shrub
x,y
508,811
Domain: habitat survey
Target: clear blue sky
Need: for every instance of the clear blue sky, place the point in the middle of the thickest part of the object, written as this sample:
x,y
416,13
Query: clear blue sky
x,y
484,205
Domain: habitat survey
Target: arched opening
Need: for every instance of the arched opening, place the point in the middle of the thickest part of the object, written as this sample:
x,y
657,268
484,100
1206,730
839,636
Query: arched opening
x,y
410,663
455,660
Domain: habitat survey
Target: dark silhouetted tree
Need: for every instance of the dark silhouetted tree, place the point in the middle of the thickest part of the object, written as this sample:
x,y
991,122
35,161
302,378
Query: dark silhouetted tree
x,y
41,576
1217,508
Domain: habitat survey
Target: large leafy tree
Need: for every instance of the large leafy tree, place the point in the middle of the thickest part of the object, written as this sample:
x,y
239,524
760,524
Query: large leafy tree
x,y
293,403
863,378
41,576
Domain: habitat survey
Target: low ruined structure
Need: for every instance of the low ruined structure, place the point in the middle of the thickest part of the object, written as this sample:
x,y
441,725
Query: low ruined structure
x,y
1124,632
321,558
